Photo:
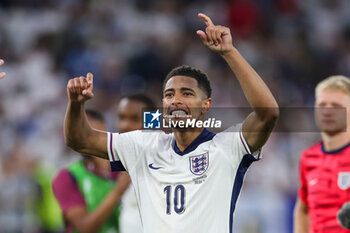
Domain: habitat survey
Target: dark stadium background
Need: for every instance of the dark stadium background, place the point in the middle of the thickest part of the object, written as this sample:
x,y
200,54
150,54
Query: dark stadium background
x,y
130,46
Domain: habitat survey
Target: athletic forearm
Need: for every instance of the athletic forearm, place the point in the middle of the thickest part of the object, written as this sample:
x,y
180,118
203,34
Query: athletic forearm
x,y
301,224
258,126
255,90
94,221
76,127
77,132
301,219
218,38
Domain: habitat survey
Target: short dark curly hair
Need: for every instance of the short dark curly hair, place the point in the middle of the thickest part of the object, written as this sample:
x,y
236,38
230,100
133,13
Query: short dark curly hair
x,y
185,70
144,99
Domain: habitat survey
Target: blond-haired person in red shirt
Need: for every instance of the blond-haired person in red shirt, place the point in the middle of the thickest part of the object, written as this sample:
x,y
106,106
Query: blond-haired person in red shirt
x,y
325,167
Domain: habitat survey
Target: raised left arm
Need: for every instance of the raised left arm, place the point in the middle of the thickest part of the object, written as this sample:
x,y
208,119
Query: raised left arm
x,y
259,124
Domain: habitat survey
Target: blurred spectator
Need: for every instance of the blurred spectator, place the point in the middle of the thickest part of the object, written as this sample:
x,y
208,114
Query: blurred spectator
x,y
244,17
129,113
18,194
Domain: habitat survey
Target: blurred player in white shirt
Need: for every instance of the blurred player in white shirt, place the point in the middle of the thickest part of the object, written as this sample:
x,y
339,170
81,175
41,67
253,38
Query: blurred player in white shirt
x,y
130,118
189,180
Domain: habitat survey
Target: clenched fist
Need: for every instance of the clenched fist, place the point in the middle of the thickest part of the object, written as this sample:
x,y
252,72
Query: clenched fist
x,y
2,74
80,89
217,38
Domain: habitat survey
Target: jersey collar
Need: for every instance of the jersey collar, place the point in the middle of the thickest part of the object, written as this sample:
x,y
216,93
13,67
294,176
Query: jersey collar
x,y
333,151
206,135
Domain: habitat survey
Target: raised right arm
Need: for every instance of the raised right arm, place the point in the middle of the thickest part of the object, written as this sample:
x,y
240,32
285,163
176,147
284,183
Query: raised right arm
x,y
78,134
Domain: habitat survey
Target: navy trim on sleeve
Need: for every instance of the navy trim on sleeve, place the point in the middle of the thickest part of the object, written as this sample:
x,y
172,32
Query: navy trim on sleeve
x,y
117,166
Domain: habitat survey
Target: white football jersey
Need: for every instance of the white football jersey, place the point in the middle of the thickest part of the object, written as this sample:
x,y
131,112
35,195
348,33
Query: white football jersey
x,y
129,218
194,191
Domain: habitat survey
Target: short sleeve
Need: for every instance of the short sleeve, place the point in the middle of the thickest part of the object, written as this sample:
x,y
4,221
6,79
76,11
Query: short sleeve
x,y
302,192
123,149
237,145
66,191
256,154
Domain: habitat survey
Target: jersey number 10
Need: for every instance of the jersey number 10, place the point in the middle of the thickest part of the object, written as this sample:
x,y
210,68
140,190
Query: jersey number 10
x,y
179,198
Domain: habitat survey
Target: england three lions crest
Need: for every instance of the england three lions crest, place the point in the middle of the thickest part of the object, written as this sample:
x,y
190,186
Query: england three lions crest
x,y
199,163
344,180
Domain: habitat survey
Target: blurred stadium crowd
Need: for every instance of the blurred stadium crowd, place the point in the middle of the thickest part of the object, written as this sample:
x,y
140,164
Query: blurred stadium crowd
x,y
130,45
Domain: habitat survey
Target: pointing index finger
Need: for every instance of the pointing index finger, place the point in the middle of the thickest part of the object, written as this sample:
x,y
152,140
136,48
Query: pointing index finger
x,y
206,19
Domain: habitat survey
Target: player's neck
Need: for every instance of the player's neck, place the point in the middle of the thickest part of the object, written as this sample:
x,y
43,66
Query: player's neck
x,y
185,137
336,141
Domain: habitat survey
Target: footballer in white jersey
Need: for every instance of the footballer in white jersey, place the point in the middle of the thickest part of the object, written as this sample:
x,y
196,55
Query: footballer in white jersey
x,y
187,181
195,190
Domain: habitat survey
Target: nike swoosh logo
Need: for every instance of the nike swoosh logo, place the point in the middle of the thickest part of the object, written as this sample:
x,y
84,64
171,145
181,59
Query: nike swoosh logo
x,y
151,166
313,182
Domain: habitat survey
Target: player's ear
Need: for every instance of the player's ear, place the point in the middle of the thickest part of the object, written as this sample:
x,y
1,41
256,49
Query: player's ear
x,y
206,105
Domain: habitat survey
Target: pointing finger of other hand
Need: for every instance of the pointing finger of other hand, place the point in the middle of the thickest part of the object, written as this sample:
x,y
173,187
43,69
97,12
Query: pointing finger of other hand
x,y
206,19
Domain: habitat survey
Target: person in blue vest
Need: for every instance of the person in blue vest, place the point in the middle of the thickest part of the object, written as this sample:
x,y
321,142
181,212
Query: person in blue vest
x,y
88,192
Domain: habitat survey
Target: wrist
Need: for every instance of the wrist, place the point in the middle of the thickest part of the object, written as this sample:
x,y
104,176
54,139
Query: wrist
x,y
76,106
229,53
76,103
